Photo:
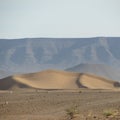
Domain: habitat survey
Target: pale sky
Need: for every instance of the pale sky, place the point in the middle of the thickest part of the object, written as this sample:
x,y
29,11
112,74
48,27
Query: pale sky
x,y
59,18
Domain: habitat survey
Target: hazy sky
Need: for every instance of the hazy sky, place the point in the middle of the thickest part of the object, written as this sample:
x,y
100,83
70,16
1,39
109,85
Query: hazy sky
x,y
59,18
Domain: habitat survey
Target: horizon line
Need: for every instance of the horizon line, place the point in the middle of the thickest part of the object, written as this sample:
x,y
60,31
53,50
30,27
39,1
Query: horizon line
x,y
59,37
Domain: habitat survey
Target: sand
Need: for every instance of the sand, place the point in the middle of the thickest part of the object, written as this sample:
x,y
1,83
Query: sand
x,y
54,79
59,95
29,104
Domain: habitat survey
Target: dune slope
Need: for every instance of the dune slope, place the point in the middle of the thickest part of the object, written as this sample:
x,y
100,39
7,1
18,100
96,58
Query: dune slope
x,y
53,79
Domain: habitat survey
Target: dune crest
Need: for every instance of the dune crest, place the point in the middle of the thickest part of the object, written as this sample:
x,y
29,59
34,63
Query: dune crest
x,y
55,79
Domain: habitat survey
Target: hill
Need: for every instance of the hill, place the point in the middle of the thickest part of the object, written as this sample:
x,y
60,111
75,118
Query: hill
x,y
36,54
4,73
97,69
53,79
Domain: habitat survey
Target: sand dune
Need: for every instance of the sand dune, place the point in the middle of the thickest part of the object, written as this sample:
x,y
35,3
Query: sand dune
x,y
54,79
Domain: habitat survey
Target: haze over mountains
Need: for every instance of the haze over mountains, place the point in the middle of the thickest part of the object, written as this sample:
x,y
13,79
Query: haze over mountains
x,y
35,54
97,69
4,73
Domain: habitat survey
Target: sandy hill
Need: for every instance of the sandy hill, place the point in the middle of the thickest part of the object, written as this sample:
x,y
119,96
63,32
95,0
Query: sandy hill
x,y
53,79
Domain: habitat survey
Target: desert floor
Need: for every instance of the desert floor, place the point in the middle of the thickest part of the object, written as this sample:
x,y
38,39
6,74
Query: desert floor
x,y
82,104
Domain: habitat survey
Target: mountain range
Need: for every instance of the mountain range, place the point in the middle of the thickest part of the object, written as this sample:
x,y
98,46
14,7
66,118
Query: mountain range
x,y
36,54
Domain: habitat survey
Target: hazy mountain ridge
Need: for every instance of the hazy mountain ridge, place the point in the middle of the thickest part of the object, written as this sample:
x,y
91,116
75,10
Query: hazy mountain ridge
x,y
4,73
35,54
97,69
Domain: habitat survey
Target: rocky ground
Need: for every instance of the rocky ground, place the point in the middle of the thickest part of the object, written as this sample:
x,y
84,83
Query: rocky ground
x,y
82,104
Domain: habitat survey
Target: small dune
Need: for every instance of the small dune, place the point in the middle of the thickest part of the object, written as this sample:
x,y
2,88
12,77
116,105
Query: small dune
x,y
55,79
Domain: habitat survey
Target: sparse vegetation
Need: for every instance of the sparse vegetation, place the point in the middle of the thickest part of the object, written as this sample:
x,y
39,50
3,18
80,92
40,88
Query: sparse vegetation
x,y
60,105
90,114
72,112
80,91
107,113
110,113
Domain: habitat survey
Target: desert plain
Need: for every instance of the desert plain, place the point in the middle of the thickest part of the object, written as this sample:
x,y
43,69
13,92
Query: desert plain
x,y
59,95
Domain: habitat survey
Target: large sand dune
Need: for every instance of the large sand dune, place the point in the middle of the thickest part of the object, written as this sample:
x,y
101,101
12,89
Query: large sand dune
x,y
53,79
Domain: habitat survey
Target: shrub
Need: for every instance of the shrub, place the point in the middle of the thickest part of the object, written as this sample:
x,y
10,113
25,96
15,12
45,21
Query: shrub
x,y
71,112
110,112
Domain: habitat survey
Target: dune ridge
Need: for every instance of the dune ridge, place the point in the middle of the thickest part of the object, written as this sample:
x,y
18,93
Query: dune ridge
x,y
56,79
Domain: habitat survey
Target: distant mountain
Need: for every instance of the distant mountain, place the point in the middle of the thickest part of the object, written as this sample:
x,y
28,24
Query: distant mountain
x,y
4,73
35,54
97,69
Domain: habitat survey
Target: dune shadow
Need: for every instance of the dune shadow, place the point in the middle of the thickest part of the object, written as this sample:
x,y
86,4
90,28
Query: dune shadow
x,y
79,83
116,84
8,83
